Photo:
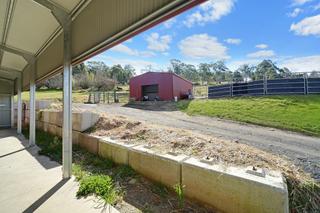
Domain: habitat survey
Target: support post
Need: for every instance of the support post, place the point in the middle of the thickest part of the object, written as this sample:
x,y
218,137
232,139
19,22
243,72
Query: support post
x,y
32,108
12,111
67,102
19,108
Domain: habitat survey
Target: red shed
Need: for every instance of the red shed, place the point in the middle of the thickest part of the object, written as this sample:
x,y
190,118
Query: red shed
x,y
162,85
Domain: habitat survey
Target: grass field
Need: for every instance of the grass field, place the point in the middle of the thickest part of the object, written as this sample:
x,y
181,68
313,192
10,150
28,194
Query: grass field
x,y
296,113
79,96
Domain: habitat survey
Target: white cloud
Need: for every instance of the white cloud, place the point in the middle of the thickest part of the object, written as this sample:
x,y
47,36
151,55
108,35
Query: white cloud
x,y
261,46
158,43
300,2
261,54
168,24
201,46
235,41
295,12
308,26
302,64
210,11
126,50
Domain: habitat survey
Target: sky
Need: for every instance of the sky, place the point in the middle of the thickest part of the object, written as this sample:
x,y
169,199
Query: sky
x,y
236,31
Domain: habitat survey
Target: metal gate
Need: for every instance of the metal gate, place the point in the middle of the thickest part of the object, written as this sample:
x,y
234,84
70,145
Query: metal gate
x,y
5,111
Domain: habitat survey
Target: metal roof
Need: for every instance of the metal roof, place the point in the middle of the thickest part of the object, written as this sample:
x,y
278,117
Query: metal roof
x,y
28,29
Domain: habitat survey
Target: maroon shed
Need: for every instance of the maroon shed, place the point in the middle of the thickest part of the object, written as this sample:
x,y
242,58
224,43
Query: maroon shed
x,y
164,85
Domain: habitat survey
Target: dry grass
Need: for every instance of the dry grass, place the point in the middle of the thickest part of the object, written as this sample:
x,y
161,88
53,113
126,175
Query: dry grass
x,y
304,193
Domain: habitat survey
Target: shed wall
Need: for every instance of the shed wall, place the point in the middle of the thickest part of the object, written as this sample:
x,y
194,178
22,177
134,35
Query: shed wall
x,y
181,87
164,81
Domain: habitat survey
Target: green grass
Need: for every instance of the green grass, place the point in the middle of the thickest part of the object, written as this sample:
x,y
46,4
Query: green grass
x,y
56,95
296,113
78,96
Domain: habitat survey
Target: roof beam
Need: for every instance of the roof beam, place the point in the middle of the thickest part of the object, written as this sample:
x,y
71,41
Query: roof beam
x,y
6,79
29,57
10,70
58,12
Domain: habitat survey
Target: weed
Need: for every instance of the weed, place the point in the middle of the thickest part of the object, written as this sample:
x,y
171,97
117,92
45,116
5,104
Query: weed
x,y
100,185
160,190
178,188
124,171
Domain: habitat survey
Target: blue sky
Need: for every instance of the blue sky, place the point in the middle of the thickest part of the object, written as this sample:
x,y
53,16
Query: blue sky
x,y
236,31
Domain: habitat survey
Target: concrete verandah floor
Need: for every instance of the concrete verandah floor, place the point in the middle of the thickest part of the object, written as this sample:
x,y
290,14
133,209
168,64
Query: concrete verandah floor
x,y
32,183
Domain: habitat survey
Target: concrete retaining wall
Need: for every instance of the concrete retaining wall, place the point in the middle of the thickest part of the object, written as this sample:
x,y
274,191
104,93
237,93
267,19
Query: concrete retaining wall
x,y
233,189
165,169
115,151
227,189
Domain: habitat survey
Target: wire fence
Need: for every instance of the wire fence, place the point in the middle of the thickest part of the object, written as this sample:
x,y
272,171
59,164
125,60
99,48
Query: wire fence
x,y
108,97
302,85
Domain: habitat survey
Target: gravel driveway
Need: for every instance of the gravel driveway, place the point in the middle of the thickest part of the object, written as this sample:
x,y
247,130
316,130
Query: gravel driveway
x,y
303,150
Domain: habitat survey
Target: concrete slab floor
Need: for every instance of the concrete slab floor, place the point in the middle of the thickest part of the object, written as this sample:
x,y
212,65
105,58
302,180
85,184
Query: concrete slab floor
x,y
32,183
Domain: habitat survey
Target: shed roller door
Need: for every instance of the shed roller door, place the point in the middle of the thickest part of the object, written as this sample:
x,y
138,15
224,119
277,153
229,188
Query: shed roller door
x,y
151,91
5,111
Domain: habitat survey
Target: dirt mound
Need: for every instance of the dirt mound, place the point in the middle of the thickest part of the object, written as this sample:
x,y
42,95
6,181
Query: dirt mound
x,y
303,193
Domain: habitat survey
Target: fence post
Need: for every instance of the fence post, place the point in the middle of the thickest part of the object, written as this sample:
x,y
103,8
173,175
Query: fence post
x,y
305,80
231,89
265,85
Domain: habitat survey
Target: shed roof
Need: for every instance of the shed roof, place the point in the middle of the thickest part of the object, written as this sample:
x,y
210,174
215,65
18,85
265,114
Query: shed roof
x,y
29,29
170,73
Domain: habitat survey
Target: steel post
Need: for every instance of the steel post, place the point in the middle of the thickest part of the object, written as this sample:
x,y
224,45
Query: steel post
x,y
67,102
32,108
19,108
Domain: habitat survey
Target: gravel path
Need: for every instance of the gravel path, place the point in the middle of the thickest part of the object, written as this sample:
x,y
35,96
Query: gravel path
x,y
303,150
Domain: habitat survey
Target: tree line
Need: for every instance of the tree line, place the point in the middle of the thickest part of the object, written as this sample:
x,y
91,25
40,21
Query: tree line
x,y
218,72
94,75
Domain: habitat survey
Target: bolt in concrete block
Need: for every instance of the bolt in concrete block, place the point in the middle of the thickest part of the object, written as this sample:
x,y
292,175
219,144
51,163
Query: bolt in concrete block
x,y
165,169
231,189
118,152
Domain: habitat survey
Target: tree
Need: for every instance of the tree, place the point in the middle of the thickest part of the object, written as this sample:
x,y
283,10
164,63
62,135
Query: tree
x,y
246,71
237,77
220,70
205,73
285,72
97,66
266,68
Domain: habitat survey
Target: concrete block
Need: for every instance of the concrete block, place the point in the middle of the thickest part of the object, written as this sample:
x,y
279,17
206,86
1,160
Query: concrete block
x,y
45,126
231,189
116,151
82,121
39,125
75,137
52,129
90,143
165,169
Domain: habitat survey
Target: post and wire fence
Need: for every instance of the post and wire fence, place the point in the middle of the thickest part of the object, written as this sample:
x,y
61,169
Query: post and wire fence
x,y
108,97
302,85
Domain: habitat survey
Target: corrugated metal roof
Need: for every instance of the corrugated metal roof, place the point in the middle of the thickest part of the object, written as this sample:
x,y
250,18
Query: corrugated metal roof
x,y
29,27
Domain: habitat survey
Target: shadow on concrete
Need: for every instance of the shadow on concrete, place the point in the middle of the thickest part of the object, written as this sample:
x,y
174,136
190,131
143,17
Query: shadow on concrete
x,y
34,206
11,153
32,150
153,105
